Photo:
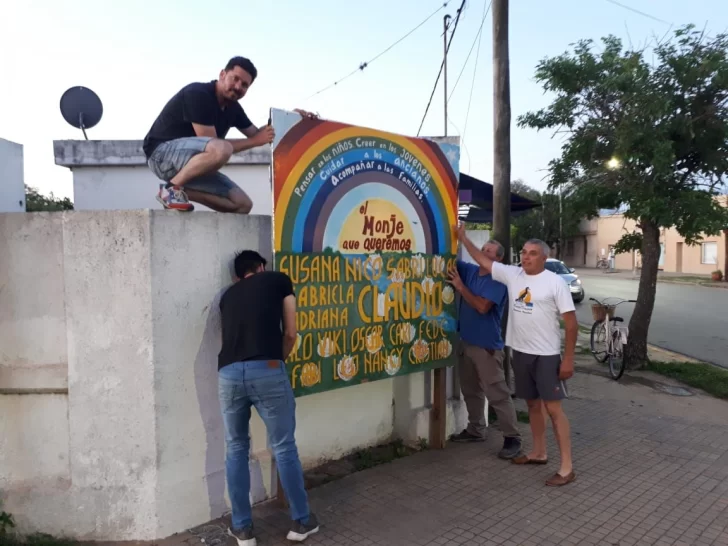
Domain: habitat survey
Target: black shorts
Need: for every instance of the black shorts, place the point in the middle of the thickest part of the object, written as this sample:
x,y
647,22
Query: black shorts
x,y
537,377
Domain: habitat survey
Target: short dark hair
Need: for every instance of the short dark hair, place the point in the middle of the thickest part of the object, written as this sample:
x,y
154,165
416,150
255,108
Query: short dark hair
x,y
247,261
244,63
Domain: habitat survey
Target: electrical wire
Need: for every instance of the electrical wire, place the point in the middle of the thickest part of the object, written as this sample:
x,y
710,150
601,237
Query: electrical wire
x,y
442,65
472,84
642,13
365,64
478,37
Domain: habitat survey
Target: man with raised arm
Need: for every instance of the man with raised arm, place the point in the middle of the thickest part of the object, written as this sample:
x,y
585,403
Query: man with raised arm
x,y
186,146
258,315
537,298
480,362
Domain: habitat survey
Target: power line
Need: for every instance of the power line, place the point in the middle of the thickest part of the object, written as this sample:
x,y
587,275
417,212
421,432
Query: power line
x,y
478,36
642,13
472,84
442,65
365,64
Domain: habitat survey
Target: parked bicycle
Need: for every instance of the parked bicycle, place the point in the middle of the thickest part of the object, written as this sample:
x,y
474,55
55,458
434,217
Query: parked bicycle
x,y
608,338
603,263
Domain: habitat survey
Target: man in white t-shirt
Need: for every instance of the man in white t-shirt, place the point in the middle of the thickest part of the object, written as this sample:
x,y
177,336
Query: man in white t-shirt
x,y
537,297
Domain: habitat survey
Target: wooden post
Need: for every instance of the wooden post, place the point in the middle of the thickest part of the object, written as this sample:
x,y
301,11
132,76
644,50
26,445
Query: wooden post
x,y
502,142
438,414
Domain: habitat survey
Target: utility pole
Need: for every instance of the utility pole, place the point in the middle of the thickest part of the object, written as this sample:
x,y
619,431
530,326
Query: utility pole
x,y
502,144
438,415
501,128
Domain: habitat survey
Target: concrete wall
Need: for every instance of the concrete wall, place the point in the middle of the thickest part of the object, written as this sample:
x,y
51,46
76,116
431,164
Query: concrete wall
x,y
12,187
113,175
109,421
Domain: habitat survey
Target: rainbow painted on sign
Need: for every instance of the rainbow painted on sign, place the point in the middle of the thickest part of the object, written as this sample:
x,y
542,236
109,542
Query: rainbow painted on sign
x,y
324,171
363,224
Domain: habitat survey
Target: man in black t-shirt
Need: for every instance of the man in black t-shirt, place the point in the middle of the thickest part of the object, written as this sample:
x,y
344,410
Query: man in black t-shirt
x,y
258,315
186,145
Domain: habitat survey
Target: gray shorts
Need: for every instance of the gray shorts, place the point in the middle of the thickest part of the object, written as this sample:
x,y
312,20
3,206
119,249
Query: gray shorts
x,y
169,158
537,377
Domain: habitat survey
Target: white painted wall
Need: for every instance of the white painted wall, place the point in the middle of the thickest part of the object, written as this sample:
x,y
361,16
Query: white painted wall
x,y
134,450
32,305
135,187
479,238
113,175
12,188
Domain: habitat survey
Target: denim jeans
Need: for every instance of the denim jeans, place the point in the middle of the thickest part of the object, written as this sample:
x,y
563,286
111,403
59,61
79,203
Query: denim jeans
x,y
265,385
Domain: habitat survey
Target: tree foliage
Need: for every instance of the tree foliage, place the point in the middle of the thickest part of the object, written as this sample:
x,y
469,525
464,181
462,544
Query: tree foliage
x,y
643,129
548,222
37,202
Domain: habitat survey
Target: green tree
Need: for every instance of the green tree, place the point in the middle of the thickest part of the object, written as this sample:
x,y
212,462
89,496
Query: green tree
x,y
547,222
651,135
37,202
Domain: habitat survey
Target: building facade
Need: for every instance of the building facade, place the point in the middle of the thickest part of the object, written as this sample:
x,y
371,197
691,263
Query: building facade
x,y
12,187
597,237
113,175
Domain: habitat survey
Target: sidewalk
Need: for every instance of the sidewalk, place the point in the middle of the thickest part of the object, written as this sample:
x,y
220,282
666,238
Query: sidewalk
x,y
652,468
662,276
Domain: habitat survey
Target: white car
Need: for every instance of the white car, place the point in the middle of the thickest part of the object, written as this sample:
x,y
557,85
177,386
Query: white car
x,y
570,277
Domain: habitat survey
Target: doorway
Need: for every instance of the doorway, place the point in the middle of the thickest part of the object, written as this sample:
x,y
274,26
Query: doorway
x,y
679,258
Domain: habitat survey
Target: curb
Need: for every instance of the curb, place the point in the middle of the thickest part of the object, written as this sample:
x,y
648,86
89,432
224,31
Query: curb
x,y
704,284
672,355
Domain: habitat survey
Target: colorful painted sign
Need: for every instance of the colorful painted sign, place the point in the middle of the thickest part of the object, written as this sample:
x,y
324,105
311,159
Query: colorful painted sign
x,y
363,225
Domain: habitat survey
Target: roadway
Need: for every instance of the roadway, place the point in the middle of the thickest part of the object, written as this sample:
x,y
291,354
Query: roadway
x,y
691,320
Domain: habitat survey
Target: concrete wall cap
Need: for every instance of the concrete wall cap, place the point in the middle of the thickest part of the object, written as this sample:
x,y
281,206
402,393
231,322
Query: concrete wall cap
x,y
128,153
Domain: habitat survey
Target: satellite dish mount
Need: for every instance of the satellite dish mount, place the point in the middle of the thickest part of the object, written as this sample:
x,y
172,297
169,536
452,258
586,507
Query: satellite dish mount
x,y
81,108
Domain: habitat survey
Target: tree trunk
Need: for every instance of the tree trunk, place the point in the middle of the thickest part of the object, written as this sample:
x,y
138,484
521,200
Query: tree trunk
x,y
635,353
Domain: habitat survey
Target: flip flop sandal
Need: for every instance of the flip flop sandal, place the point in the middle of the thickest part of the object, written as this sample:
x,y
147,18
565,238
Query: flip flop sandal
x,y
524,459
557,480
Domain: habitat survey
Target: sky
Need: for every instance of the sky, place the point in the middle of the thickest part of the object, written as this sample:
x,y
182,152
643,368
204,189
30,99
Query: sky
x,y
135,54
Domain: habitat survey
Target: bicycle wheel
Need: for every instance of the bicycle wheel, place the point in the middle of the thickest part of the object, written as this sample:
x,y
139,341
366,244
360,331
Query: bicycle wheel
x,y
598,341
616,357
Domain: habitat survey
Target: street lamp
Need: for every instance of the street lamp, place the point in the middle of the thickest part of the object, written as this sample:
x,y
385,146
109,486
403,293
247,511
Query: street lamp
x,y
614,163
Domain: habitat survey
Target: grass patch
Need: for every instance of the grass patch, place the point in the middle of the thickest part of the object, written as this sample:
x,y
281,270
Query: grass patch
x,y
687,278
9,538
711,379
374,456
37,539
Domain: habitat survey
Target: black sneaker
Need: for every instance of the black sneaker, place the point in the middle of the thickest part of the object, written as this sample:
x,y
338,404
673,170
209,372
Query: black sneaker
x,y
301,531
244,536
511,448
465,436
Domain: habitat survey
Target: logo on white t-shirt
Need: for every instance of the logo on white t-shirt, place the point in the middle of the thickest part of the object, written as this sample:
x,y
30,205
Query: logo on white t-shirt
x,y
523,303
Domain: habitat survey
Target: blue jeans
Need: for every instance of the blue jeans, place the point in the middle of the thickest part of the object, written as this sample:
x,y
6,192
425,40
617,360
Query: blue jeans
x,y
265,385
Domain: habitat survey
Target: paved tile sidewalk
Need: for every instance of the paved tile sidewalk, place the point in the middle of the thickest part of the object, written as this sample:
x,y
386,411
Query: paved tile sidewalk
x,y
651,469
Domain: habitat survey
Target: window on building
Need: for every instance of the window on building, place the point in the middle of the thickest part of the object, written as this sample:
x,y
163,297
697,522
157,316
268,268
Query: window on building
x,y
570,248
709,254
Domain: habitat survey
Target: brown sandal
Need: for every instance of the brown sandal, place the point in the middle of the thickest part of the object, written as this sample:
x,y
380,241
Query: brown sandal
x,y
557,480
525,459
